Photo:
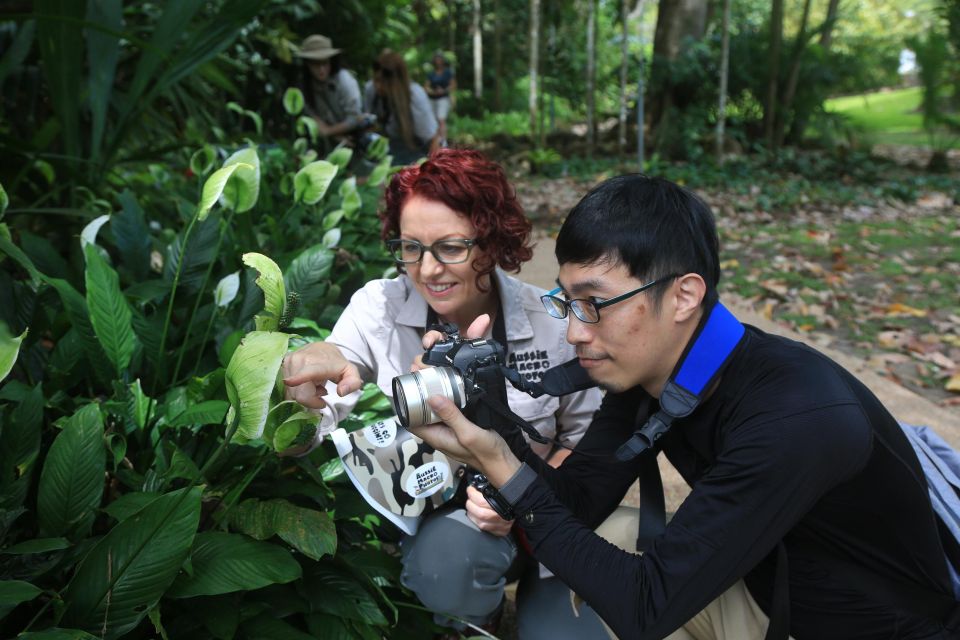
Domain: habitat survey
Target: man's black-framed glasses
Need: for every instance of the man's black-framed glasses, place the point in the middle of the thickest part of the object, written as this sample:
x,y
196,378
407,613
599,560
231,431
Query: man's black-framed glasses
x,y
587,309
452,251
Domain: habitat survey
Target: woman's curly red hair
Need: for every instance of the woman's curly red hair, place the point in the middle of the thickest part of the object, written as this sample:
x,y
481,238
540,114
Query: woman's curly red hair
x,y
473,185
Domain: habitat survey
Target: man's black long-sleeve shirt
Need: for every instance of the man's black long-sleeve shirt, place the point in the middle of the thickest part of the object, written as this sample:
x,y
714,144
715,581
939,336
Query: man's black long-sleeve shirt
x,y
789,447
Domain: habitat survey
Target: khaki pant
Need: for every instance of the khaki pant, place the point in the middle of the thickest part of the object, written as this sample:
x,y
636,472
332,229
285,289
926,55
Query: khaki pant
x,y
734,615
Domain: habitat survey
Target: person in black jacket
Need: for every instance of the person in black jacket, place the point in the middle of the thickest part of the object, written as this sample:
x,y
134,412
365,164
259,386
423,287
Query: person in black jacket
x,y
808,505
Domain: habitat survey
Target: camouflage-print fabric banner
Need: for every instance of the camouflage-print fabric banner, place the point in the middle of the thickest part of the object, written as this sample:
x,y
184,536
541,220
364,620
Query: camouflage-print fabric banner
x,y
399,475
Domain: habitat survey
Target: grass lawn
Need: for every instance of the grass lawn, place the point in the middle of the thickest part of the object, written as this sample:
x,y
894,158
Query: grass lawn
x,y
888,117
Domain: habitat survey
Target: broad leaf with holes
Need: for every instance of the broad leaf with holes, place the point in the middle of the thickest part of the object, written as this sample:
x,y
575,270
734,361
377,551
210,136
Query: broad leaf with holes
x,y
270,282
310,532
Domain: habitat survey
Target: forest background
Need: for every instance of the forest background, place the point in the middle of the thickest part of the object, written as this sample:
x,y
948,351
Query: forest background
x,y
171,224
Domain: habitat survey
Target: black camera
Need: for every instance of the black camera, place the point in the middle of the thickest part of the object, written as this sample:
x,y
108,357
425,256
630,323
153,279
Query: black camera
x,y
463,371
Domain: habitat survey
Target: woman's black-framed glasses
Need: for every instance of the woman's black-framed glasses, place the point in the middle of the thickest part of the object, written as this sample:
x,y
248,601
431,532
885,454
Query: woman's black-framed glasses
x,y
588,310
452,251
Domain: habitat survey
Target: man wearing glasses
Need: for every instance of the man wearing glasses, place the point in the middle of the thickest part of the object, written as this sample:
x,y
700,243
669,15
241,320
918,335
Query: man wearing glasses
x,y
808,513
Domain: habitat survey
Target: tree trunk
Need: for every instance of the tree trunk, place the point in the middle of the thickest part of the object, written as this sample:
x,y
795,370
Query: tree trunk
x,y
826,35
624,60
476,27
591,75
678,21
724,75
534,63
773,80
796,58
641,81
497,58
800,119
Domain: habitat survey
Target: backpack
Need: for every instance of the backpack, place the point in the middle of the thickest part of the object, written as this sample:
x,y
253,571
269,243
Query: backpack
x,y
941,468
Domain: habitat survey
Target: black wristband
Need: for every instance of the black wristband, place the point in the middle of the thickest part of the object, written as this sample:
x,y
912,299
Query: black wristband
x,y
496,501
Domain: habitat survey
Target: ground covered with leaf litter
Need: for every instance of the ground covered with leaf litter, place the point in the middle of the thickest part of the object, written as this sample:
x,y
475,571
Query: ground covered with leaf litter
x,y
873,271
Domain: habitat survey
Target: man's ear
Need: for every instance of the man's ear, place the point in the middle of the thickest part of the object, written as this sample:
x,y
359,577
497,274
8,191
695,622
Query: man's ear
x,y
689,292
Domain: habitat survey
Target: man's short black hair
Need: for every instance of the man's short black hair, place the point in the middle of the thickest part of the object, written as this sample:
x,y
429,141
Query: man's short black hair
x,y
652,226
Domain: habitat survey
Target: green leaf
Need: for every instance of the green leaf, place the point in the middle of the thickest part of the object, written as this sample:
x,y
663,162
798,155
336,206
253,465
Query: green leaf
x,y
138,404
270,282
20,443
57,634
4,200
251,378
265,626
130,503
379,173
312,533
227,289
131,235
13,592
131,567
228,562
343,597
340,157
329,627
332,238
201,161
350,197
194,257
103,52
293,101
204,413
109,313
9,349
37,545
243,186
71,484
311,182
213,189
309,273
309,127
298,430
332,219
18,256
76,308
61,48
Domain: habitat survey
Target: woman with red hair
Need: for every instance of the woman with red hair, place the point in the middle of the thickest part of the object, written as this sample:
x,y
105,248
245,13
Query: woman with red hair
x,y
455,227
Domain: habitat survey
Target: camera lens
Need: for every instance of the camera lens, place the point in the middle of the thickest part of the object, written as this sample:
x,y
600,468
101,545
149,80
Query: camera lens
x,y
410,393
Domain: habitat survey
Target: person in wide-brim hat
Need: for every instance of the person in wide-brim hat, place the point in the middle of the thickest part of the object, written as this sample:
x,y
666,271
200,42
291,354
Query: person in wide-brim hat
x,y
332,93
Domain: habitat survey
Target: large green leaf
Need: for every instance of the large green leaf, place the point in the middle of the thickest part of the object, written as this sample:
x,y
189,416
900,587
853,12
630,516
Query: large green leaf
x,y
309,273
311,182
340,156
349,197
310,532
243,186
131,567
60,40
265,626
17,255
4,200
57,634
76,308
13,592
9,349
293,101
207,412
344,596
103,47
109,313
214,186
270,282
227,562
251,378
71,484
20,444
193,257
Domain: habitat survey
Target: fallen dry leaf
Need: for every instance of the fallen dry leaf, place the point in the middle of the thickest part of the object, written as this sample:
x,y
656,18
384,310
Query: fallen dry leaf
x,y
953,383
900,309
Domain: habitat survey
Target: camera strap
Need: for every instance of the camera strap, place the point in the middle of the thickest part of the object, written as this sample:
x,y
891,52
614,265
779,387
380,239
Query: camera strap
x,y
716,337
